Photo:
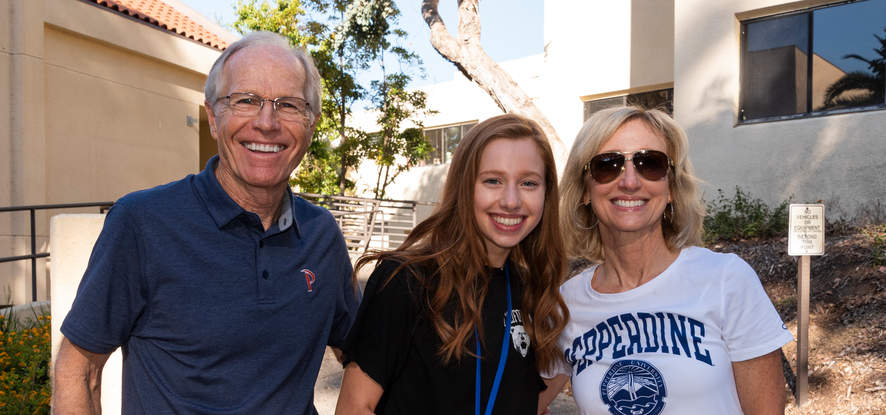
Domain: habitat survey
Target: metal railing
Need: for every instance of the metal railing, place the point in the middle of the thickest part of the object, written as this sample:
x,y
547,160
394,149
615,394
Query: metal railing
x,y
365,223
34,255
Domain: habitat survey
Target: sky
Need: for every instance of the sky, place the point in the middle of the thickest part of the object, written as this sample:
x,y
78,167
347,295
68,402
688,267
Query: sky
x,y
510,29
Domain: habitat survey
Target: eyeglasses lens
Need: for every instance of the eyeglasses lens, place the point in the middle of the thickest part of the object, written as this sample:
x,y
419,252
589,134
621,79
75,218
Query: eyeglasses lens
x,y
652,165
287,108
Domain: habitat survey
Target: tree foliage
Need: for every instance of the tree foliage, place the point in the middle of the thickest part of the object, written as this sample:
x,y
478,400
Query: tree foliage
x,y
345,38
394,149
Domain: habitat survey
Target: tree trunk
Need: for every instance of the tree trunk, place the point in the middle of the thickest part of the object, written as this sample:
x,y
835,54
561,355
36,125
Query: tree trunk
x,y
467,54
342,118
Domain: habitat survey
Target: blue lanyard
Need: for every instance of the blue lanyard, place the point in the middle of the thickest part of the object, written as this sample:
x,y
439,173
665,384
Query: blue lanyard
x,y
505,345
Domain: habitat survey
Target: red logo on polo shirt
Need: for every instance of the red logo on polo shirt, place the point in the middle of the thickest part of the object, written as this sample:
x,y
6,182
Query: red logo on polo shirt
x,y
309,278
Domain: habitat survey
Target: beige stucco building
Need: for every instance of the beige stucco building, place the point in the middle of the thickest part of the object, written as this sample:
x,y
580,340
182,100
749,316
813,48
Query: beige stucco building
x,y
103,98
835,157
687,54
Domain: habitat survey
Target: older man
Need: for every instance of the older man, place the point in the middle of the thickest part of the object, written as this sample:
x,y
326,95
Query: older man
x,y
223,289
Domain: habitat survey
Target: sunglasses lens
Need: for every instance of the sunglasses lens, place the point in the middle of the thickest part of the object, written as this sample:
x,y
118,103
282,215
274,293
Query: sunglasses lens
x,y
651,164
606,167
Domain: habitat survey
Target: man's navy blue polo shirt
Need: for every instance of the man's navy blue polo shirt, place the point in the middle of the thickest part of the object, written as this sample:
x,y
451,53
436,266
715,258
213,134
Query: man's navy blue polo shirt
x,y
214,314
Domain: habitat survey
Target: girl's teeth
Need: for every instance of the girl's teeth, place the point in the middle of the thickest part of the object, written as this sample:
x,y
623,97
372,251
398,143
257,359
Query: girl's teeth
x,y
507,221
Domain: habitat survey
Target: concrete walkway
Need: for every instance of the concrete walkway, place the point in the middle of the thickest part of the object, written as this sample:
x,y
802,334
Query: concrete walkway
x,y
329,383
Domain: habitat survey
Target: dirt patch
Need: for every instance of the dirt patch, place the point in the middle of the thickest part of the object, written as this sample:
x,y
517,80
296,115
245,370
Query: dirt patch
x,y
847,334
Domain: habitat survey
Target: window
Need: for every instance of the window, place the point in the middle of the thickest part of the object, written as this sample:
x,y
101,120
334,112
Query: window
x,y
662,99
813,62
445,140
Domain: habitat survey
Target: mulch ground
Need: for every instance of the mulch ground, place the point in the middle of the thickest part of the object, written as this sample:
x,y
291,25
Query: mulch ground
x,y
847,333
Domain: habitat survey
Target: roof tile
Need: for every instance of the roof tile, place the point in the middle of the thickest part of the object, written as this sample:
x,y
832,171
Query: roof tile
x,y
166,17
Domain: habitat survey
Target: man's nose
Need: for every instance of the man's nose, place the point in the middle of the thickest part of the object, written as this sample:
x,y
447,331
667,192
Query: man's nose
x,y
267,117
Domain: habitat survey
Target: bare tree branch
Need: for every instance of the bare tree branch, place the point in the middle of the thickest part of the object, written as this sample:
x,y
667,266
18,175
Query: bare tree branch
x,y
467,54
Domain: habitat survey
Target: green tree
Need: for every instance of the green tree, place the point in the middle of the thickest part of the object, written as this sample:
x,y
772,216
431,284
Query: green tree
x,y
394,148
345,38
311,25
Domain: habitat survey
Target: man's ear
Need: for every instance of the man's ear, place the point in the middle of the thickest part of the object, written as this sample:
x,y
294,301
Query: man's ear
x,y
210,116
314,124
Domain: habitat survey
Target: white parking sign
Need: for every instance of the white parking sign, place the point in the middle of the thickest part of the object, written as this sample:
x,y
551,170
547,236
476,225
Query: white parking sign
x,y
806,230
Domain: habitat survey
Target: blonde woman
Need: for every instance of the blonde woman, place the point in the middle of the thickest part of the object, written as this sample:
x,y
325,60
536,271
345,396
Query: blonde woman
x,y
658,324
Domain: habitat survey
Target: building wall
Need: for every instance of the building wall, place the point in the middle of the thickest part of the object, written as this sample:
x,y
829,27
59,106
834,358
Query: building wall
x,y
592,50
99,105
455,102
597,49
835,158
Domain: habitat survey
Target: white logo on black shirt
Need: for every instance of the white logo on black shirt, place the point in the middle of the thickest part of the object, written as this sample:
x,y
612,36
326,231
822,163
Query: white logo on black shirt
x,y
519,337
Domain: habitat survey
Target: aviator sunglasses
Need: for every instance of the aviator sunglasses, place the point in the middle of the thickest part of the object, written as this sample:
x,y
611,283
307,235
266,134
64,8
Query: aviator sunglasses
x,y
651,164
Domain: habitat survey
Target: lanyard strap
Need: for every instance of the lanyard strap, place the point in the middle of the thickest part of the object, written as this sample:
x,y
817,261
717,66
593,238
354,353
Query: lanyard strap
x,y
505,345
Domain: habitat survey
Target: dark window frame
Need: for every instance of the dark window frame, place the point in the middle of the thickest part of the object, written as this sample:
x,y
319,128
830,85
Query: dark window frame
x,y
590,106
810,56
438,132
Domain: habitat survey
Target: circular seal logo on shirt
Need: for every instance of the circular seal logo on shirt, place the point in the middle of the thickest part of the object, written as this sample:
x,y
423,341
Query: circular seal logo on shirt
x,y
633,387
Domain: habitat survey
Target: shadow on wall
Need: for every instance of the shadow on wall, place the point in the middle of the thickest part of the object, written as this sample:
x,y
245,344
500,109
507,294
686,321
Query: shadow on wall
x,y
831,158
425,185
827,159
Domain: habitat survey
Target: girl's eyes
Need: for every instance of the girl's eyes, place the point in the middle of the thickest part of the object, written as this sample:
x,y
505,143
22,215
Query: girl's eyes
x,y
526,183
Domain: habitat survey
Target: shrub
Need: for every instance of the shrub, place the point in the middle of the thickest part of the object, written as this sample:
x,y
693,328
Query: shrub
x,y
877,235
744,217
24,365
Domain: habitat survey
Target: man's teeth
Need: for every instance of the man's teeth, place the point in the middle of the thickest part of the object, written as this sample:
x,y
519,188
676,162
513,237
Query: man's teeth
x,y
507,221
264,148
629,203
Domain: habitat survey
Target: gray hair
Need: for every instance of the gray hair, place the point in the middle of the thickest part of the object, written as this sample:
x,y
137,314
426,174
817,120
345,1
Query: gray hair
x,y
312,82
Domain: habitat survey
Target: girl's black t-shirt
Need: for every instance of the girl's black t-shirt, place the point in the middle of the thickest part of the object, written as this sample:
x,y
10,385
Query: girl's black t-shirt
x,y
394,342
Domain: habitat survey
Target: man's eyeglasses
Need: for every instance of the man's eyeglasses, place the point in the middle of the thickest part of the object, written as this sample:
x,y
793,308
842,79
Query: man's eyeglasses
x,y
651,164
245,104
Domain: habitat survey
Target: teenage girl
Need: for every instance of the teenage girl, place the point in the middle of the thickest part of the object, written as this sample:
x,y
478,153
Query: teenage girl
x,y
462,315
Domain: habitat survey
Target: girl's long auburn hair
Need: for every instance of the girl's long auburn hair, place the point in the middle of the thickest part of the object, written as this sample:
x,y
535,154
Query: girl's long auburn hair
x,y
449,245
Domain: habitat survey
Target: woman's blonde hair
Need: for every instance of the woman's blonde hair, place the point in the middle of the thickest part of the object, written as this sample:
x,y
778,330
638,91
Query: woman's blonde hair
x,y
681,226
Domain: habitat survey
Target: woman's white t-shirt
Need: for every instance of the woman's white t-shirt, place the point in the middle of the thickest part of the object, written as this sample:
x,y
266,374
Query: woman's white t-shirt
x,y
667,346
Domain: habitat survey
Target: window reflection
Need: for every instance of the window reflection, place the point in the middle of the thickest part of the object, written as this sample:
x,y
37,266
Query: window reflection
x,y
851,39
445,140
774,79
780,78
662,99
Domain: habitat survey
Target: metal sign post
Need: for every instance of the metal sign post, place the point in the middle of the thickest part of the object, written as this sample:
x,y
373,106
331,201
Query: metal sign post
x,y
805,238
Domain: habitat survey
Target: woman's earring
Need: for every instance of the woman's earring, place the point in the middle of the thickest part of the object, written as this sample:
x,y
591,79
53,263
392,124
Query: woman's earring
x,y
586,206
664,215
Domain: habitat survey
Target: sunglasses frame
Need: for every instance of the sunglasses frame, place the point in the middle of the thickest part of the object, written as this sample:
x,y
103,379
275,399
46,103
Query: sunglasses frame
x,y
628,156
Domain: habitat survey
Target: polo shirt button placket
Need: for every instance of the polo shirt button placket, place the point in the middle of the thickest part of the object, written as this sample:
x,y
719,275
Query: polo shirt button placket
x,y
264,282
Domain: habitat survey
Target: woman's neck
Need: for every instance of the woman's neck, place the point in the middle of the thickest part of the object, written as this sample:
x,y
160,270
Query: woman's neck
x,y
630,261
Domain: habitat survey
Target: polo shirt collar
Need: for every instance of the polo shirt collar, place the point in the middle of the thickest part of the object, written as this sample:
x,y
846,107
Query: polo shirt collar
x,y
223,209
